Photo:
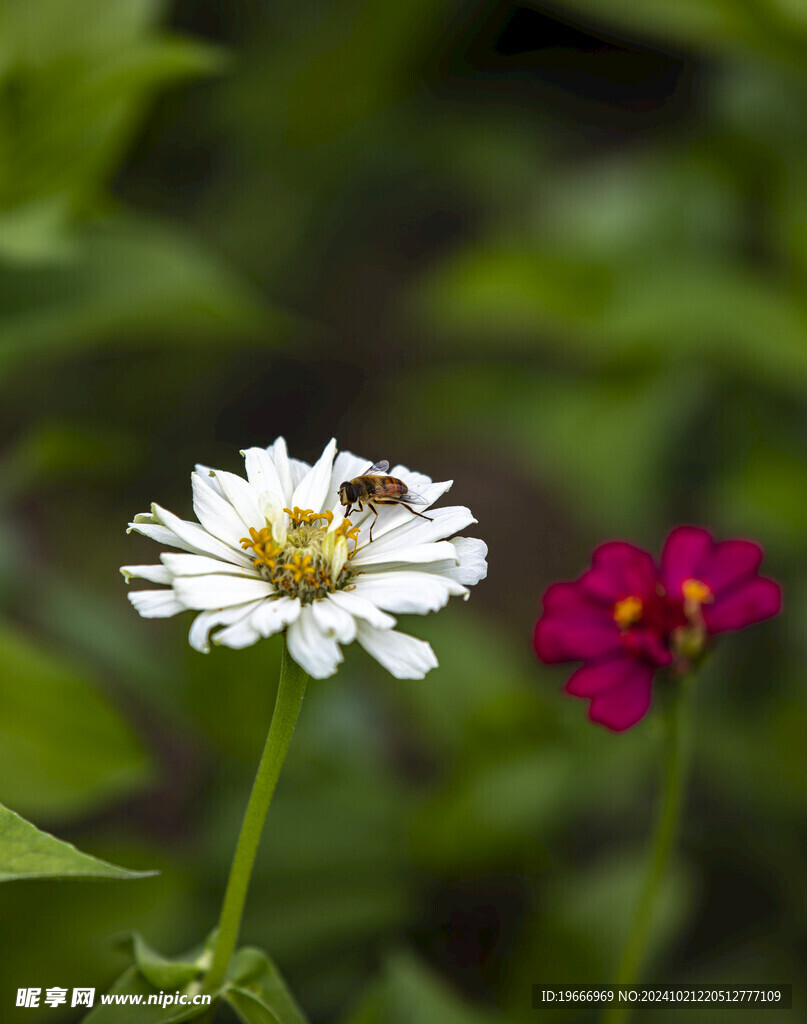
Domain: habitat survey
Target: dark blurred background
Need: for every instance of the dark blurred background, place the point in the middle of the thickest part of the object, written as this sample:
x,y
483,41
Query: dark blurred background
x,y
556,252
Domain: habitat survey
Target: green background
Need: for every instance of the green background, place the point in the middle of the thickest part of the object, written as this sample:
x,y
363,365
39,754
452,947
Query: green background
x,y
556,252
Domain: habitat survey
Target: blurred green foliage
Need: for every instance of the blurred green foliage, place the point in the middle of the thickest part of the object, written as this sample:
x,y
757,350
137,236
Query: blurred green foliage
x,y
555,251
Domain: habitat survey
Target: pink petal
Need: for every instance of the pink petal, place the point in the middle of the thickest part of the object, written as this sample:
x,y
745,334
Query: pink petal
x,y
569,600
599,677
731,561
623,706
619,569
748,603
557,639
685,551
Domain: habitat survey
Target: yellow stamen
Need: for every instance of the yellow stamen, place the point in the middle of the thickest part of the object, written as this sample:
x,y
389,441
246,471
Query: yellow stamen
x,y
263,545
299,515
627,611
300,566
311,562
349,532
696,593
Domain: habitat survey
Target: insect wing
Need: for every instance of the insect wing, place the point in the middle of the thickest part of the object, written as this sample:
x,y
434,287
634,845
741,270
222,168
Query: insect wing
x,y
412,498
377,467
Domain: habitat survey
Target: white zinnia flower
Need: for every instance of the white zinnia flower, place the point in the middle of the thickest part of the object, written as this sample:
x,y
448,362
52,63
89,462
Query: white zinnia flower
x,y
275,552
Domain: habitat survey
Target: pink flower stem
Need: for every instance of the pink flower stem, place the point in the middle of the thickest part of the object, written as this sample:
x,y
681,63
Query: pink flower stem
x,y
639,937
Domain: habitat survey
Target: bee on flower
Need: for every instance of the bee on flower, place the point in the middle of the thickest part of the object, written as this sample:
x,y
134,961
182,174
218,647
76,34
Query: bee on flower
x,y
277,552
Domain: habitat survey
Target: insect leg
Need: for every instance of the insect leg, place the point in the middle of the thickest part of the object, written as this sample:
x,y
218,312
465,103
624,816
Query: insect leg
x,y
372,509
414,513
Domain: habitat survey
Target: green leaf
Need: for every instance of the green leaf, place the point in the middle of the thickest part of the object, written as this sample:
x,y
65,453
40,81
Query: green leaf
x,y
132,983
63,749
251,1009
257,991
25,852
159,970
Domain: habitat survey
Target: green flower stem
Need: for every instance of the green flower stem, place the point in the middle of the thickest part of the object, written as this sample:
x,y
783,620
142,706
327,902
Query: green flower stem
x,y
635,949
290,693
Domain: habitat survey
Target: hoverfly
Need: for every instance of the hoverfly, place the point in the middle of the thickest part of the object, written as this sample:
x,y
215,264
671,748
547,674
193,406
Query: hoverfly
x,y
376,488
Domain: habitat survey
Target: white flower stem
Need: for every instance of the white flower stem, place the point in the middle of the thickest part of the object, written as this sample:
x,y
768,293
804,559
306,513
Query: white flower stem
x,y
290,693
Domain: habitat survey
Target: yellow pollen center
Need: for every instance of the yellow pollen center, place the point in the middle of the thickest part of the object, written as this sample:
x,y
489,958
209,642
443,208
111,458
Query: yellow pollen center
x,y
696,593
627,611
312,562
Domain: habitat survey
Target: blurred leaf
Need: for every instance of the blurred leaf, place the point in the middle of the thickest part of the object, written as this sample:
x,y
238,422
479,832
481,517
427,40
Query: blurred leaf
x,y
772,27
76,84
681,310
25,852
598,904
258,992
55,452
599,437
132,983
359,54
409,993
63,750
130,279
36,233
495,807
766,495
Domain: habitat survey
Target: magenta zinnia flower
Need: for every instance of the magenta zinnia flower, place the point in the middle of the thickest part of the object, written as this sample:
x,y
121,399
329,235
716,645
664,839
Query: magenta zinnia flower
x,y
625,618
717,583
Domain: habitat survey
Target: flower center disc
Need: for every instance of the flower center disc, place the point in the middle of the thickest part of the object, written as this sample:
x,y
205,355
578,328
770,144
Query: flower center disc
x,y
312,562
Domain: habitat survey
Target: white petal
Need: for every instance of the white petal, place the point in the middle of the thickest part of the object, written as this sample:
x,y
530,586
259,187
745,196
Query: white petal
x,y
403,556
298,469
217,516
317,654
272,616
205,621
241,634
410,477
445,522
155,604
273,514
262,472
313,489
152,573
280,457
144,524
218,591
334,621
472,567
243,497
196,539
210,475
201,565
392,516
404,656
408,592
361,609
